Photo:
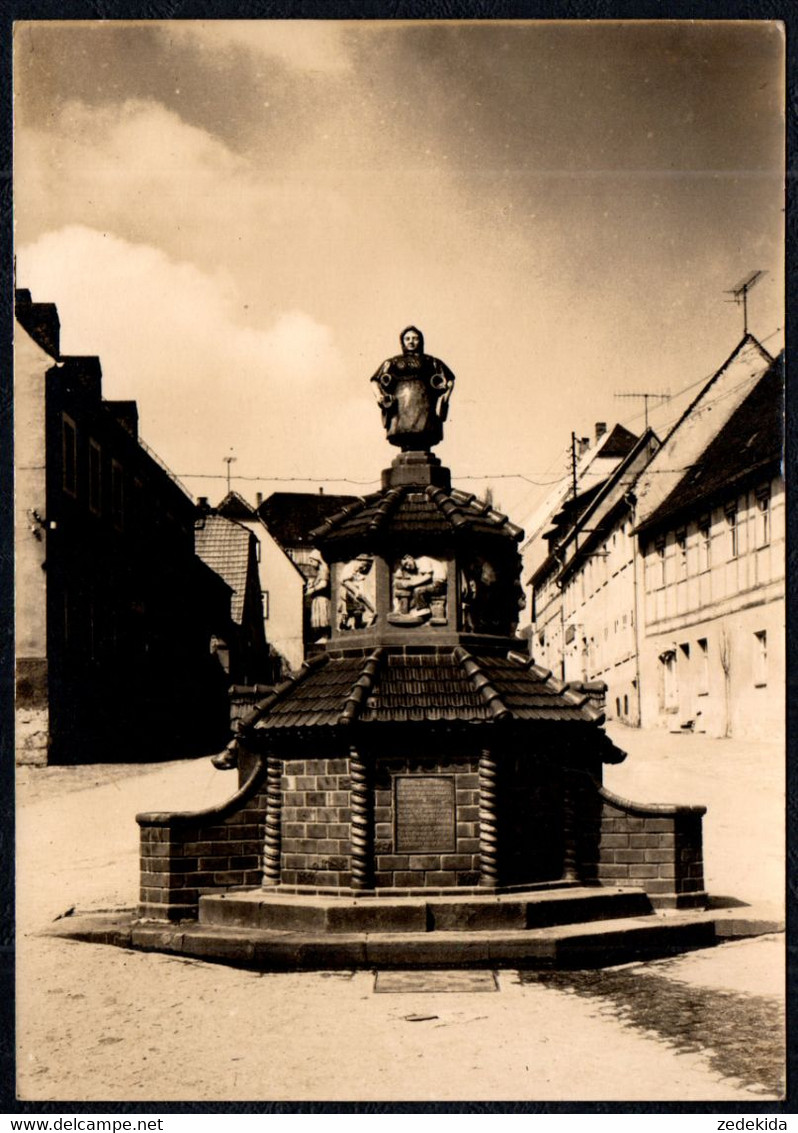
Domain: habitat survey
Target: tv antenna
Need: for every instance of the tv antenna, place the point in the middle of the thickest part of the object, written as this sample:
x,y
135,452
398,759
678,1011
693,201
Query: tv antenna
x,y
228,461
646,398
740,294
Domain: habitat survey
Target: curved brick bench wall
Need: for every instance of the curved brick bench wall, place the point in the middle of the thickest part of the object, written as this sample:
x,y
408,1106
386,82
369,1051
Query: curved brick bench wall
x,y
185,855
657,847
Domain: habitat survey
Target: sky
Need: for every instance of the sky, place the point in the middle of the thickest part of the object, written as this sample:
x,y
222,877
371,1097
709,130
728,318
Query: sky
x,y
240,217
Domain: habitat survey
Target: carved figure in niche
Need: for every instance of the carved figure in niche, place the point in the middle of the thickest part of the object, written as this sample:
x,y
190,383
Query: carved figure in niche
x,y
481,598
356,607
419,591
413,391
317,597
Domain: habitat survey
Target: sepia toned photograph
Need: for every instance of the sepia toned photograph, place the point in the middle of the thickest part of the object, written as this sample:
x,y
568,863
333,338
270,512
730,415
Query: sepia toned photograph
x,y
399,527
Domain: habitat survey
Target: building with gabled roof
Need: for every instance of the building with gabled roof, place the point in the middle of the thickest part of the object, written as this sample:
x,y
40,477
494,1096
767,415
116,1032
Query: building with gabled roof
x,y
594,464
584,594
114,611
711,530
291,517
231,550
702,420
282,585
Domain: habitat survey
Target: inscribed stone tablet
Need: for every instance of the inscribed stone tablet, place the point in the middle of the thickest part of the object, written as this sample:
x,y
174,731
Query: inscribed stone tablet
x,y
424,813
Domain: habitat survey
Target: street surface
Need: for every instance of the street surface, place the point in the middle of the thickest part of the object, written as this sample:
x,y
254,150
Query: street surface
x,y
101,1024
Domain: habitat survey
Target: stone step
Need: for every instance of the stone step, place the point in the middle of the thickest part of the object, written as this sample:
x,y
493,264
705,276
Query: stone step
x,y
600,944
259,909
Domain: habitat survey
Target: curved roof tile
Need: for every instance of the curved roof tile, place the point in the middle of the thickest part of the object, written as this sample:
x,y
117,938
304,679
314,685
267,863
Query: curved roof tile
x,y
415,508
384,687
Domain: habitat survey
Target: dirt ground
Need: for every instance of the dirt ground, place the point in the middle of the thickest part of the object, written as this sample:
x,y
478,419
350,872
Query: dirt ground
x,y
101,1024
109,1025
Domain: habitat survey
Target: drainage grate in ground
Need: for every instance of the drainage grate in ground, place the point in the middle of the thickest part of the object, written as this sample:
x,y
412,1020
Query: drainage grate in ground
x,y
421,981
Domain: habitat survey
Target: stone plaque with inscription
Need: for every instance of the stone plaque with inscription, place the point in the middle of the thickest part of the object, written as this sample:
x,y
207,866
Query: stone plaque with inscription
x,y
425,818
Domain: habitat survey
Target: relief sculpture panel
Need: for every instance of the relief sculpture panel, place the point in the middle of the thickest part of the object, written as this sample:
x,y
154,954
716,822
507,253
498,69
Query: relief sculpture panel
x,y
356,605
419,591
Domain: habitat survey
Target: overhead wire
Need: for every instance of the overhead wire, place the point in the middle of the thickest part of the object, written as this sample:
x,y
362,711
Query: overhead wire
x,y
536,479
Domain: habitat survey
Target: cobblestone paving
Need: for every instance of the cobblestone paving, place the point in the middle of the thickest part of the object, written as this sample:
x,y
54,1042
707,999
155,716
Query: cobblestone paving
x,y
741,1035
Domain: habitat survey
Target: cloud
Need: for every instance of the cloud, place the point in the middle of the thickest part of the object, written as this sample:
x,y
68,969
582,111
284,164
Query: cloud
x,y
303,45
178,340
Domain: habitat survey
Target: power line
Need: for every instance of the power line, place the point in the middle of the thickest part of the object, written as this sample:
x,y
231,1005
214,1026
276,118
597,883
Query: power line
x,y
363,483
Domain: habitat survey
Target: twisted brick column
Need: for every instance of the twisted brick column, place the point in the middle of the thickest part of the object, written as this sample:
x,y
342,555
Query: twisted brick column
x,y
273,835
488,839
362,857
569,868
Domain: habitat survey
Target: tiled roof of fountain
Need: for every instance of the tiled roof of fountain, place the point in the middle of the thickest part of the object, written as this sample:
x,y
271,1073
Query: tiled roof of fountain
x,y
393,687
412,508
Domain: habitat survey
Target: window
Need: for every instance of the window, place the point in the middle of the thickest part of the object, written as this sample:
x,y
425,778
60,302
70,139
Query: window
x,y
763,517
117,495
626,704
704,544
69,448
702,687
265,597
659,577
617,705
761,658
734,534
681,544
95,485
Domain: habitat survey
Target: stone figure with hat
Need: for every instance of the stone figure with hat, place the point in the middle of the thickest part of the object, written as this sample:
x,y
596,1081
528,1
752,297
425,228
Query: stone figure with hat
x,y
317,597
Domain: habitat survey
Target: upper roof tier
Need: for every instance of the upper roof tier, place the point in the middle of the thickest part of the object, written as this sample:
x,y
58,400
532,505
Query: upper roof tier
x,y
413,511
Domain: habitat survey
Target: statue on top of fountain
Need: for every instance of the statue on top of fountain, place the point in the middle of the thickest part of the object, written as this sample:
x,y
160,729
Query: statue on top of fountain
x,y
413,391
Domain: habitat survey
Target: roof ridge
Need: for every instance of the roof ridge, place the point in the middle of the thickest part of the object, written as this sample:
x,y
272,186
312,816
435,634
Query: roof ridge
x,y
388,504
481,684
362,687
444,503
336,518
265,705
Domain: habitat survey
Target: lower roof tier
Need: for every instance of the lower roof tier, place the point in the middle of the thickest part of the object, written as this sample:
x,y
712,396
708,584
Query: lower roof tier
x,y
399,686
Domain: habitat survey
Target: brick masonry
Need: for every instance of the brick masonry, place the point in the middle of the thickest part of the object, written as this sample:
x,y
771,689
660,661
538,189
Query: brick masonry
x,y
184,857
316,823
658,848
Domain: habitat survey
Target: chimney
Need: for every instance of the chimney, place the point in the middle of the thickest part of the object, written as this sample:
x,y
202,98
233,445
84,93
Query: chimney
x,y
40,320
258,499
202,504
82,373
321,491
127,414
584,445
601,429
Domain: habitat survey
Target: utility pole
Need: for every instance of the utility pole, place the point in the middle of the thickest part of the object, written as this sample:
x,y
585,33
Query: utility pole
x,y
228,461
646,398
740,294
574,489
